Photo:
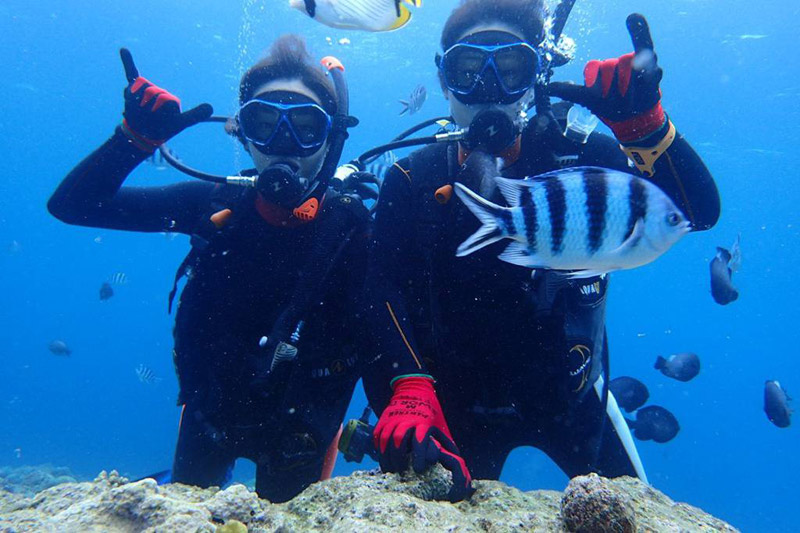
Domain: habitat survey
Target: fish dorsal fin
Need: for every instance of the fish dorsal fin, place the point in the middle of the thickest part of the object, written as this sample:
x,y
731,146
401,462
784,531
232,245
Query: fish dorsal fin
x,y
511,189
723,254
402,20
735,261
518,254
583,274
568,172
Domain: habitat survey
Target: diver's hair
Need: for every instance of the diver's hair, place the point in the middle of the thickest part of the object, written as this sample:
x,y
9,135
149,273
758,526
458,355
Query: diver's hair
x,y
288,58
527,16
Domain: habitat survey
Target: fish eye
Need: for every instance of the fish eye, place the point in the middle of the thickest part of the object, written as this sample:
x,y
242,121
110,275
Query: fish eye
x,y
673,219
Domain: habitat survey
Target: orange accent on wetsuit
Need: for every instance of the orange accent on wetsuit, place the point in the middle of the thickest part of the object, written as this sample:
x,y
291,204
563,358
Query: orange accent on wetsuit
x,y
403,335
330,456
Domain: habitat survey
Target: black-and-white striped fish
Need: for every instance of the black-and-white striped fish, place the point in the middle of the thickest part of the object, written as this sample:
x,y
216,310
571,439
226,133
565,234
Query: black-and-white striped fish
x,y
586,219
381,166
118,278
146,375
415,100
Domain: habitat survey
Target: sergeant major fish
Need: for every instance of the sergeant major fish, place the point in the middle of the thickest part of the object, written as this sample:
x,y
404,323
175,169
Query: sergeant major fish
x,y
586,219
415,100
146,375
381,165
366,15
118,278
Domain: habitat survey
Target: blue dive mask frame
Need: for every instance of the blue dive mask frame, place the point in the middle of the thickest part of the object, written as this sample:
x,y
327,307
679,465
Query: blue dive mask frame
x,y
489,52
285,118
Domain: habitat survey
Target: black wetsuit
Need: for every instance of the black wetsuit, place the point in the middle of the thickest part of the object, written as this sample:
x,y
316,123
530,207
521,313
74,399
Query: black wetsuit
x,y
513,357
240,280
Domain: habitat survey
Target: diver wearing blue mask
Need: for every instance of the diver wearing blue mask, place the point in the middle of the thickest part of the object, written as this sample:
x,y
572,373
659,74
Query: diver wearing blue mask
x,y
518,359
265,322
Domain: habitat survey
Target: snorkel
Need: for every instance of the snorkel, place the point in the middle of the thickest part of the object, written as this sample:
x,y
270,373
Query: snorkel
x,y
341,121
307,207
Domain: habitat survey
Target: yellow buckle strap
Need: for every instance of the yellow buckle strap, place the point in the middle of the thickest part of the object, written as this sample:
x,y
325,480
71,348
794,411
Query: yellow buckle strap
x,y
645,157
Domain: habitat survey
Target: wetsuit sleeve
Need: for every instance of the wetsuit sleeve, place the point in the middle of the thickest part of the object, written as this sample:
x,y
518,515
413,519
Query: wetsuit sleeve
x,y
92,194
392,352
679,172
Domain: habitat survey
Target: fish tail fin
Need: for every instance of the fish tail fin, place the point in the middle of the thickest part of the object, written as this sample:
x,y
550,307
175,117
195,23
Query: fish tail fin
x,y
405,107
488,213
660,362
403,17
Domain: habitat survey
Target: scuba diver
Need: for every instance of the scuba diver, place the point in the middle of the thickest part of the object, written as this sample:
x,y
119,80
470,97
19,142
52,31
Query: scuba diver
x,y
474,356
264,329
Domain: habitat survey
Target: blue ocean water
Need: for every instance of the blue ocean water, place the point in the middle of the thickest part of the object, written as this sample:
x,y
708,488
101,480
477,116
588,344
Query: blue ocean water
x,y
731,86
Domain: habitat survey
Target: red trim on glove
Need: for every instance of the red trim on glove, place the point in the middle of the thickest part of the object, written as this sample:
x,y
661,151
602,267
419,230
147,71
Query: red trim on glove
x,y
161,96
640,126
142,143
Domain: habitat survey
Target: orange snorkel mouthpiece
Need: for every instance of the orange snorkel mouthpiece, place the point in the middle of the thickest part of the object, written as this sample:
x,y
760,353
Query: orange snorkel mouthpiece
x,y
330,63
443,194
307,211
220,218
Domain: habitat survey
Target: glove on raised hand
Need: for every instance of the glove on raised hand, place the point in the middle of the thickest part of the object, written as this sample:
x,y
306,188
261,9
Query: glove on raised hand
x,y
623,92
152,115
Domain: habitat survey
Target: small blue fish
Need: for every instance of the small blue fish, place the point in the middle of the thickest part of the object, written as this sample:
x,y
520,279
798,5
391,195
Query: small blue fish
x,y
724,264
146,375
415,100
59,347
776,404
654,423
682,366
157,160
106,291
629,392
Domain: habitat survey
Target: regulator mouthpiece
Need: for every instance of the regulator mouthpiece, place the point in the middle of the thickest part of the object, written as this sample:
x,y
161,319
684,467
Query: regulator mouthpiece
x,y
491,131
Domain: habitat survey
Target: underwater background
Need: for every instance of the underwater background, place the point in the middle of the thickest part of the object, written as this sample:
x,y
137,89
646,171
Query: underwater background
x,y
731,85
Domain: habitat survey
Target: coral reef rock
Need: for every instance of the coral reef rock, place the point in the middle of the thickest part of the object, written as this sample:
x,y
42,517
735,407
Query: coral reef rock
x,y
363,501
28,480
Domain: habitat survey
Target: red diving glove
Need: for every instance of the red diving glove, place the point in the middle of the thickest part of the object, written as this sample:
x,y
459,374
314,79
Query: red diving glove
x,y
623,92
153,115
413,424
